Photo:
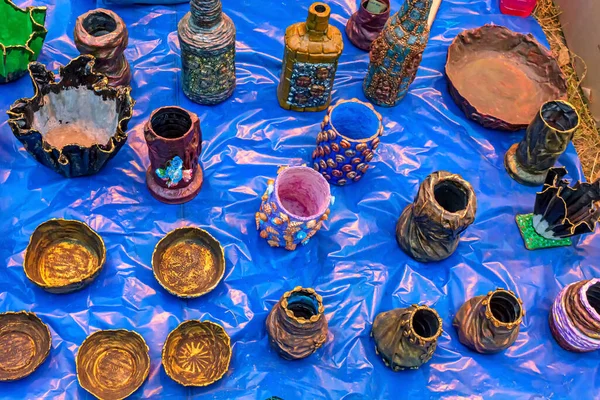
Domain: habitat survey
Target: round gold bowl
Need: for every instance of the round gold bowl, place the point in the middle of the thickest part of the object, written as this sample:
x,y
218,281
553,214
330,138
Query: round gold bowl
x,y
112,364
64,256
188,262
24,344
197,353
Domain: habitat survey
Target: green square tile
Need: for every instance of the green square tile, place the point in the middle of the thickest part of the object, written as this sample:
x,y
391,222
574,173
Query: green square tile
x,y
534,241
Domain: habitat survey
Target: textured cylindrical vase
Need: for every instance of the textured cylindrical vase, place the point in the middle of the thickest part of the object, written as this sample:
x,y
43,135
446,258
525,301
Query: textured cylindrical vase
x,y
575,317
365,25
429,229
293,207
296,325
489,324
396,54
546,139
406,338
207,40
349,136
174,141
310,60
103,34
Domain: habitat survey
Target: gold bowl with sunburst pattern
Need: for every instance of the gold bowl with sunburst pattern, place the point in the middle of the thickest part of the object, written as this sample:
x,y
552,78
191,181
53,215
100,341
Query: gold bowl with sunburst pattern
x,y
197,353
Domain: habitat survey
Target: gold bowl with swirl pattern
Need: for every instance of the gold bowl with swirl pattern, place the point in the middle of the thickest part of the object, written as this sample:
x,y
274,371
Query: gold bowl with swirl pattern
x,y
112,364
197,353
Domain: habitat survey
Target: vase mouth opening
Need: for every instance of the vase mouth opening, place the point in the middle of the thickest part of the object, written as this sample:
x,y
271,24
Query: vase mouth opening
x,y
356,121
303,304
593,296
171,122
505,307
99,23
560,116
320,8
302,192
426,324
452,196
365,3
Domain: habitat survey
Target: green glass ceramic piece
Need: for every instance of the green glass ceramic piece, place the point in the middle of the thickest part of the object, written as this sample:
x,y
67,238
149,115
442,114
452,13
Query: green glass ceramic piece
x,y
22,35
533,240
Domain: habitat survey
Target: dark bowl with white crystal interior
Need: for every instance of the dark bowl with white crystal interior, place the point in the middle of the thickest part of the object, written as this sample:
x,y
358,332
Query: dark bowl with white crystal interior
x,y
76,125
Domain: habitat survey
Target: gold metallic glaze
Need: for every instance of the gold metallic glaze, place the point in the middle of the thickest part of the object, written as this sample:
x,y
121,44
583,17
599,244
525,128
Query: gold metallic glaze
x,y
25,343
188,262
197,353
112,364
64,255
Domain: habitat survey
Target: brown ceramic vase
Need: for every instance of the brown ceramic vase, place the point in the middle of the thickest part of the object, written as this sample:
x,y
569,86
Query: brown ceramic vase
x,y
406,338
489,324
174,141
103,34
297,326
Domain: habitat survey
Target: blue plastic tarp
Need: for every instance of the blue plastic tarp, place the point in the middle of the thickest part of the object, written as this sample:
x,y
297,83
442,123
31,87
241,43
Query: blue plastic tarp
x,y
354,263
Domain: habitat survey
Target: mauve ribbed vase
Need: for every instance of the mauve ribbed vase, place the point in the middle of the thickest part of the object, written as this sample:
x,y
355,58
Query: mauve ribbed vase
x,y
489,324
294,207
103,34
575,317
364,26
174,140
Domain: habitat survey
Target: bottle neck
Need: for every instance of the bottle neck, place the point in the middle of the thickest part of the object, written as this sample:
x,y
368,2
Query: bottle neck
x,y
317,22
416,11
206,13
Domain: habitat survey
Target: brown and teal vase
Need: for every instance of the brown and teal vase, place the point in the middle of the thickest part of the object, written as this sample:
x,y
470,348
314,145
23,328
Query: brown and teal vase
x,y
22,35
397,53
207,40
349,137
174,140
293,207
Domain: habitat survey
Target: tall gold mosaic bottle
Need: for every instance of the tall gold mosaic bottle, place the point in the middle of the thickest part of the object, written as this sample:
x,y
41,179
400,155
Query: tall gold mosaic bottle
x,y
312,51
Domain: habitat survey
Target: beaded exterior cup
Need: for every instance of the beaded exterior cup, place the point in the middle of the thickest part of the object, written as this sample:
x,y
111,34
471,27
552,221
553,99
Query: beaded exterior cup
x,y
349,136
575,317
365,25
406,338
310,61
546,139
22,35
103,34
74,126
396,54
293,207
174,140
296,325
489,324
429,229
207,40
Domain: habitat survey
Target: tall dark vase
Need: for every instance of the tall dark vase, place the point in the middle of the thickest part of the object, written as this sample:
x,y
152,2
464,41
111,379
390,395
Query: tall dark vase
x,y
429,229
207,39
406,338
174,142
489,324
547,137
397,53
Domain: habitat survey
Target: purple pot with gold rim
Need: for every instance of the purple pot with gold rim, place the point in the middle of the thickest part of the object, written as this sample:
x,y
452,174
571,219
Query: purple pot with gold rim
x,y
174,141
293,207
349,136
366,24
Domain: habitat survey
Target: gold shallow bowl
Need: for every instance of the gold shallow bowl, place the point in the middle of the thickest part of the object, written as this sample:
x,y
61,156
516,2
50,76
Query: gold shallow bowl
x,y
197,353
64,256
188,262
112,364
24,344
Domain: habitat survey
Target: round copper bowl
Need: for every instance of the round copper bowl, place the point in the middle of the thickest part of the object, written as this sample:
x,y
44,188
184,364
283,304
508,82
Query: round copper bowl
x,y
188,262
500,78
24,344
197,353
112,364
64,256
